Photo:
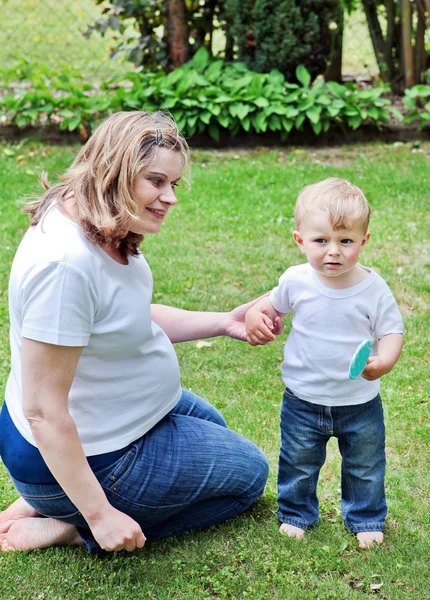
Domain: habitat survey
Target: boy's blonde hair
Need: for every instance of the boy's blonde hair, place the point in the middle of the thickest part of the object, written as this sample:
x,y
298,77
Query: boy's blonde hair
x,y
102,175
345,203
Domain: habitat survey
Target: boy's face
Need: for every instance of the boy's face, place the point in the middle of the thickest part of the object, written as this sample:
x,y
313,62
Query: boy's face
x,y
333,254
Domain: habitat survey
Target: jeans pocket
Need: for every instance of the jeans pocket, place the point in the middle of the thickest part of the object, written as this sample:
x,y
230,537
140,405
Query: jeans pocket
x,y
121,469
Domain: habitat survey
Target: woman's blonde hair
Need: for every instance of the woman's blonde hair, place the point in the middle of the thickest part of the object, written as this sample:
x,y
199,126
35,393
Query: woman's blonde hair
x,y
345,203
102,175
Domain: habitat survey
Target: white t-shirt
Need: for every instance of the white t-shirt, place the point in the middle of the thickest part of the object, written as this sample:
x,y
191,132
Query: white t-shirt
x,y
64,290
328,325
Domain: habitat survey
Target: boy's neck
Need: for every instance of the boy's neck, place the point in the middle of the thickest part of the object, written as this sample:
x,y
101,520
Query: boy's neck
x,y
353,277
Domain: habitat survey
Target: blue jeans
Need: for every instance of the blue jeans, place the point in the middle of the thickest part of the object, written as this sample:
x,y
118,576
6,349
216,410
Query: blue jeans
x,y
188,472
305,431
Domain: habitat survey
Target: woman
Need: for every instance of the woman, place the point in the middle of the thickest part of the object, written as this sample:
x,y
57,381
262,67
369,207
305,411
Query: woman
x,y
103,445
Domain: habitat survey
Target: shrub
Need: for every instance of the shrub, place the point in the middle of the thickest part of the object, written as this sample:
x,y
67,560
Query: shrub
x,y
417,102
283,34
204,96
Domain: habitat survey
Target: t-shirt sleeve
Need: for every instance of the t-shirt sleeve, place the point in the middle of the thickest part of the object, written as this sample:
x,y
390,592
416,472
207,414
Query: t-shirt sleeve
x,y
279,296
58,305
388,318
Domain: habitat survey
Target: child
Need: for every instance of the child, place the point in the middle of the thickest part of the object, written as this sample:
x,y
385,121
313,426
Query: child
x,y
337,304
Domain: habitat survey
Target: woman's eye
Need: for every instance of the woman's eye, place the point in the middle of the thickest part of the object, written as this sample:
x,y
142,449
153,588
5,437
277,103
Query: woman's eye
x,y
175,185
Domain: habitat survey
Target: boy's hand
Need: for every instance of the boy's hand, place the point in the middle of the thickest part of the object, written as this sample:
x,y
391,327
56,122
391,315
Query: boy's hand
x,y
375,368
260,327
389,348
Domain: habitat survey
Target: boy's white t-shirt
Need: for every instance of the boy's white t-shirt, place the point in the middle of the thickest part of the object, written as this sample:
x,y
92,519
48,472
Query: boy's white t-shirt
x,y
64,290
328,325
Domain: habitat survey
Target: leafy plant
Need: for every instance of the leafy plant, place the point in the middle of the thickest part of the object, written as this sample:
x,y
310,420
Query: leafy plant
x,y
416,100
204,95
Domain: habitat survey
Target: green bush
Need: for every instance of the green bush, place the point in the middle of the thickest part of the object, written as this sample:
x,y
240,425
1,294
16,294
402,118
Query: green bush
x,y
283,34
204,96
416,101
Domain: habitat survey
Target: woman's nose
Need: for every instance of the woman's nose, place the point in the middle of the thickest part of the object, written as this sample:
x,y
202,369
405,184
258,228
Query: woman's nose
x,y
168,195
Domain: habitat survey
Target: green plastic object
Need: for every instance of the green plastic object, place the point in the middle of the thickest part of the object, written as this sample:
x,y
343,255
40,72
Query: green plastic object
x,y
360,358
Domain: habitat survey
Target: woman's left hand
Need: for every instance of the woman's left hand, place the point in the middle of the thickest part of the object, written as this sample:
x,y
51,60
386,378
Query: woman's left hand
x,y
233,324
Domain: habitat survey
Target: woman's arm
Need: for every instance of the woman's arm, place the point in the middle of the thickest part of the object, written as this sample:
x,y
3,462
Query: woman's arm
x,y
185,325
47,376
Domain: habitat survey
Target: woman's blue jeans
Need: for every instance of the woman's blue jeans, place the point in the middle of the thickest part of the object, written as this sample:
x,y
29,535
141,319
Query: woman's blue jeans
x,y
188,472
305,431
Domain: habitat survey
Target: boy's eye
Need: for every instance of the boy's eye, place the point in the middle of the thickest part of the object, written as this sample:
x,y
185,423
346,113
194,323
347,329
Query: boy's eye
x,y
346,241
320,241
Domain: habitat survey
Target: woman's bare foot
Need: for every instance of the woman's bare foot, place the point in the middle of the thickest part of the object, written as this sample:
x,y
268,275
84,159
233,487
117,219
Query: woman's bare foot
x,y
367,539
18,510
292,531
33,533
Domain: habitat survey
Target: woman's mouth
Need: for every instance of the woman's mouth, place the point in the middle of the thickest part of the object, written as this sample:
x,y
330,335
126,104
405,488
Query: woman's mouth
x,y
159,214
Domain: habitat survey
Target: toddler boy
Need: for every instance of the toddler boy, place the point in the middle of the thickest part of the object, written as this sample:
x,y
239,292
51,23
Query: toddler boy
x,y
337,303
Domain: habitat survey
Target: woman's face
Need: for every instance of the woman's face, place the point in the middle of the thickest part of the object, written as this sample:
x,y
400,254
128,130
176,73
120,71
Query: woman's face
x,y
154,191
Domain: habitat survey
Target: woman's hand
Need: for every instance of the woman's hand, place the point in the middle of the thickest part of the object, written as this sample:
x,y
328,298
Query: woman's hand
x,y
233,324
114,531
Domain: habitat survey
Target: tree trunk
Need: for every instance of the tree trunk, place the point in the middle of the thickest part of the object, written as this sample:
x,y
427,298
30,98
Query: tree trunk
x,y
177,30
420,49
334,71
389,40
377,38
407,52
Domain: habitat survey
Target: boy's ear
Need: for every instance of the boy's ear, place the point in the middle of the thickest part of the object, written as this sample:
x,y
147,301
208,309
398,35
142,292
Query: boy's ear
x,y
365,239
299,240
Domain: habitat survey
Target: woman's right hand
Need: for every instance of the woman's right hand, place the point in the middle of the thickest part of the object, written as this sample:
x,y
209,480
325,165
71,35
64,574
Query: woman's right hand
x,y
114,530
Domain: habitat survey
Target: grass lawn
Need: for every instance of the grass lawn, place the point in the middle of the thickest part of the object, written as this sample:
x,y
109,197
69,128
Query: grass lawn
x,y
228,240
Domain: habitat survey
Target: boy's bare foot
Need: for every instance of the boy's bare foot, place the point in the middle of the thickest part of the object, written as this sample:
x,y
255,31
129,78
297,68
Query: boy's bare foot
x,y
292,531
367,539
33,533
17,510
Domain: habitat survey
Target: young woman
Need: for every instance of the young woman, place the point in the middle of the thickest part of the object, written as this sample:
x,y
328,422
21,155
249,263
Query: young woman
x,y
103,445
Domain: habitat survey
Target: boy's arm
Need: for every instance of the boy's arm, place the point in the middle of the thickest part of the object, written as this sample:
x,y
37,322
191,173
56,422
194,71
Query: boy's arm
x,y
261,320
389,349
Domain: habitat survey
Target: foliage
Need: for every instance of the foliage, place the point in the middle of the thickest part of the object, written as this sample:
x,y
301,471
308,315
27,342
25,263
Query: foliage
x,y
282,34
417,102
142,28
204,95
139,29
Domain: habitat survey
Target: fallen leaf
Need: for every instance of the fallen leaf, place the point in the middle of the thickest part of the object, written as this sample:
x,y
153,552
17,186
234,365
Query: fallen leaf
x,y
203,344
376,586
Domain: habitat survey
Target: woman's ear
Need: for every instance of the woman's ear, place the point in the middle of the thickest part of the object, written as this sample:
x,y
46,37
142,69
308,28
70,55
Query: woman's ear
x,y
299,240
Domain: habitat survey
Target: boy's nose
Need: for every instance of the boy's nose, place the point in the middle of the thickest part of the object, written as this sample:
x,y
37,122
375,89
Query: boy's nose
x,y
333,249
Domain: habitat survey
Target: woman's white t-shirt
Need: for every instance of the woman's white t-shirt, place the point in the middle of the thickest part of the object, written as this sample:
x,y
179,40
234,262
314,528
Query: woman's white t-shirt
x,y
66,291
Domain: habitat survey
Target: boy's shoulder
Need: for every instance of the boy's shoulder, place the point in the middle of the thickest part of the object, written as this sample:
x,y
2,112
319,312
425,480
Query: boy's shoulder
x,y
300,272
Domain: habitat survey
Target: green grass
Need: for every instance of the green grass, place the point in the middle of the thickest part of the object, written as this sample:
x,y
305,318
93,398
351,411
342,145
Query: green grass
x,y
50,32
228,240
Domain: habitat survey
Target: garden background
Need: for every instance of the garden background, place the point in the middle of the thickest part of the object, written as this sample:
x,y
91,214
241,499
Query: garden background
x,y
228,240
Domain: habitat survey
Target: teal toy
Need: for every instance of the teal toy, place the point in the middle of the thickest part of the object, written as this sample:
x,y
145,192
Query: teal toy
x,y
360,358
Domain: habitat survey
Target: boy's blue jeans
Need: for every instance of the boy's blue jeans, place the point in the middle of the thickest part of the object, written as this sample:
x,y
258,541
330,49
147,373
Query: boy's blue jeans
x,y
305,431
188,472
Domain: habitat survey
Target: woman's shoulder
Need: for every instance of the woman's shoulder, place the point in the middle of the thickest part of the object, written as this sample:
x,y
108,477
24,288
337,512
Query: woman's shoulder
x,y
55,240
